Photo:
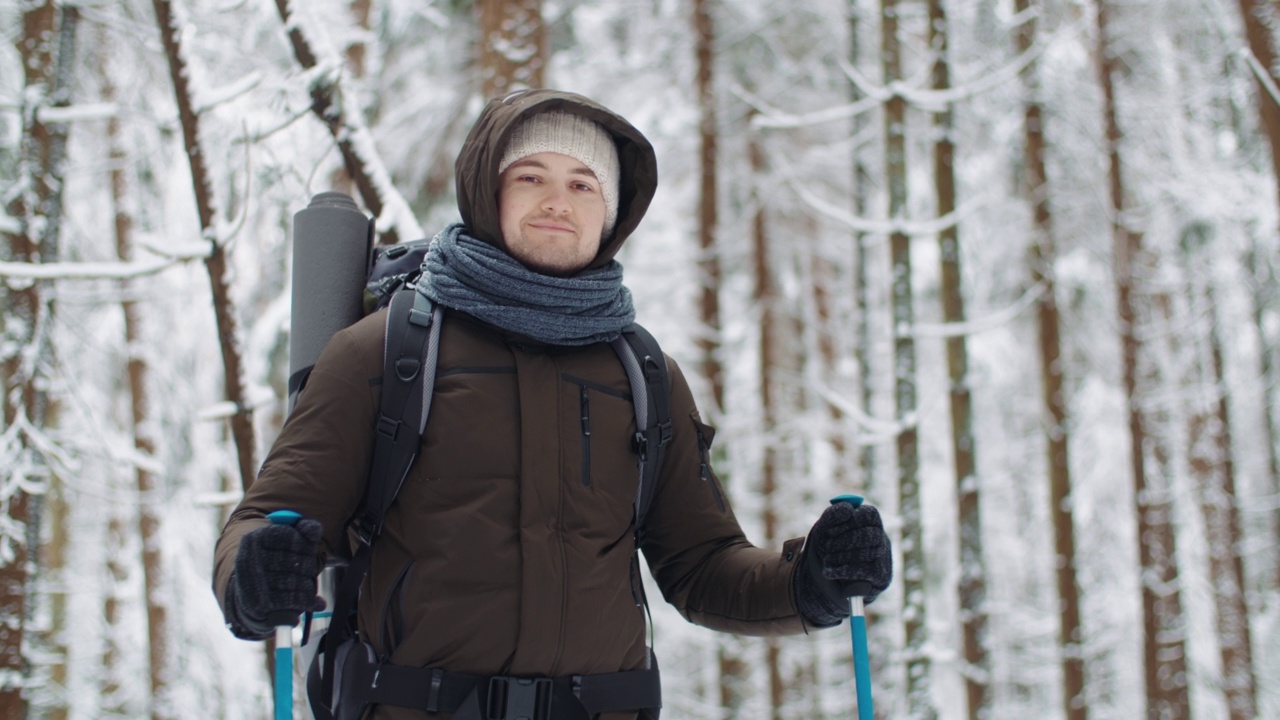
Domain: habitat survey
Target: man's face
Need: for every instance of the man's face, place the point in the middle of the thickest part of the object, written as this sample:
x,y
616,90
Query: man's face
x,y
551,212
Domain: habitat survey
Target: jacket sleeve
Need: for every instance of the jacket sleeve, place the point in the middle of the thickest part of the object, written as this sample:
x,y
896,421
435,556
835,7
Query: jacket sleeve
x,y
696,549
319,462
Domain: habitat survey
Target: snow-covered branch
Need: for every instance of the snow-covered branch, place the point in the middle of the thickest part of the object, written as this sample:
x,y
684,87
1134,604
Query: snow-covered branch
x,y
771,117
977,325
1264,77
360,156
884,226
90,270
876,426
931,100
213,98
55,115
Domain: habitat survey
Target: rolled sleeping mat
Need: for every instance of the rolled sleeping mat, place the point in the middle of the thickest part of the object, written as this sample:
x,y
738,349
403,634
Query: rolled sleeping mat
x,y
331,243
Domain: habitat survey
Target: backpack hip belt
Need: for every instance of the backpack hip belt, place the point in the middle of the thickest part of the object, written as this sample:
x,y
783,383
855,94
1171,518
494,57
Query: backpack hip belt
x,y
364,681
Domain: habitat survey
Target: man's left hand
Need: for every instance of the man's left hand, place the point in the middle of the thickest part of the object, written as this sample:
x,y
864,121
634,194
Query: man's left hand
x,y
847,553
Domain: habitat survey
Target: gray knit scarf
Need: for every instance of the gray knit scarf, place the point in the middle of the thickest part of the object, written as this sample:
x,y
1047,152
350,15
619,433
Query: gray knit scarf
x,y
479,279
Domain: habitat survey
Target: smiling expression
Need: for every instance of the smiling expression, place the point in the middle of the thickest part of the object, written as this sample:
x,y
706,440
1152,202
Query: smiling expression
x,y
551,212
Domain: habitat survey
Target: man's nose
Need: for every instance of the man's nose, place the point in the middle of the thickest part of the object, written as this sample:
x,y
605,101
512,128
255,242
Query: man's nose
x,y
556,200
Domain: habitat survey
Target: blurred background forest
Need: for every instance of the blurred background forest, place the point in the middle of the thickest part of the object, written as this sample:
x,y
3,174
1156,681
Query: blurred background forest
x,y
1006,267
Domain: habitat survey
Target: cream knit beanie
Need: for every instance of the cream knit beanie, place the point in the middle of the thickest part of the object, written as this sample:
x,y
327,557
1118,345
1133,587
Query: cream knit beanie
x,y
577,137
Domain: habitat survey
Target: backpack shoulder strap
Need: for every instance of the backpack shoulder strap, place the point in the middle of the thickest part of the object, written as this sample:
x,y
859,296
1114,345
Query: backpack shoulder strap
x,y
646,367
408,379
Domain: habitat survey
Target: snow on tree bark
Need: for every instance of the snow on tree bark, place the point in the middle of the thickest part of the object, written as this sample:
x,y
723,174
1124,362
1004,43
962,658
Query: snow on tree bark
x,y
862,183
513,45
26,331
360,157
1213,471
50,588
734,672
216,263
915,614
1043,256
1164,627
972,581
1264,299
1260,19
766,298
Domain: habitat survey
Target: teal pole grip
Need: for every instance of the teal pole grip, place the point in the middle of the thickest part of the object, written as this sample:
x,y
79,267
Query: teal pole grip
x,y
284,639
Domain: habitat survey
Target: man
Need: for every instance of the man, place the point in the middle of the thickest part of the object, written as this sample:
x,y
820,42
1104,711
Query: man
x,y
510,551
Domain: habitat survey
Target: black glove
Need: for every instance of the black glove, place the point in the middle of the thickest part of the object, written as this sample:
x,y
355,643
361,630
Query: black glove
x,y
847,554
274,580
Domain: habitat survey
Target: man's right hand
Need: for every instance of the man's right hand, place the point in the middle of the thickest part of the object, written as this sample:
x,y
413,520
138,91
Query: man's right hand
x,y
275,576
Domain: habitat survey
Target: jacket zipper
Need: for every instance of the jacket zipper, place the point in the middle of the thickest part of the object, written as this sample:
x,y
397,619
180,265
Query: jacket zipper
x,y
586,436
704,471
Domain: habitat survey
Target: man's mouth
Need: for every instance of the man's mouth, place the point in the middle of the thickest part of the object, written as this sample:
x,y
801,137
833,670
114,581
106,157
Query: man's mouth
x,y
552,226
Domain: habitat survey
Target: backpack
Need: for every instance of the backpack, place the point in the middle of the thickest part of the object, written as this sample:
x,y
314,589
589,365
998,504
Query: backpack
x,y
409,365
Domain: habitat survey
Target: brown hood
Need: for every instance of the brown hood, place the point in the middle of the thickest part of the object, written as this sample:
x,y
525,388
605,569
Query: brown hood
x,y
476,170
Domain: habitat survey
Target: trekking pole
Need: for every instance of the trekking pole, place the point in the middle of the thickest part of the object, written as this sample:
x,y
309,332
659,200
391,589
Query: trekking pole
x,y
858,627
284,622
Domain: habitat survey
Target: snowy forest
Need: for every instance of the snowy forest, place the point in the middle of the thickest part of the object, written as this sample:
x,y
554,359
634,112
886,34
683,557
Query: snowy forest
x,y
1007,268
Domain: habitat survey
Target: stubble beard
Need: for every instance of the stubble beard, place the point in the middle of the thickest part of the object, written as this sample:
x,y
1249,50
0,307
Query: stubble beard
x,y
554,258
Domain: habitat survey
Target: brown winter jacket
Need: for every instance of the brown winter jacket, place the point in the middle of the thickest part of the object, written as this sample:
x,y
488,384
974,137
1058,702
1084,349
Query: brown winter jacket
x,y
509,547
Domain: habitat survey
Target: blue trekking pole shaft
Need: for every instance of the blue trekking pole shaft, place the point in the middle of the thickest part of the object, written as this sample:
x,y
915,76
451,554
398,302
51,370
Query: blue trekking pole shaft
x,y
284,639
858,628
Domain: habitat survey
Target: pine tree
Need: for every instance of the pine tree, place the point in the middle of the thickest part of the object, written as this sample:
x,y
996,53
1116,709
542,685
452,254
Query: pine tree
x,y
1043,256
26,331
1164,628
972,588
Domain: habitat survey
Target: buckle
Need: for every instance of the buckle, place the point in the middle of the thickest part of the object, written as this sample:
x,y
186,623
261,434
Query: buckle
x,y
640,445
517,698
388,427
365,528
665,433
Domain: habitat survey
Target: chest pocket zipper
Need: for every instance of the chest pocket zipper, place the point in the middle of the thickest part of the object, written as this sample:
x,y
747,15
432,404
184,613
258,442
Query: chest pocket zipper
x,y
585,405
704,469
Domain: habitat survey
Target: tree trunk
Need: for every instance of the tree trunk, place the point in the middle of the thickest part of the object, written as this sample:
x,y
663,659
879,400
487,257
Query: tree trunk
x,y
708,211
233,382
1164,628
1260,18
766,299
919,699
734,672
513,45
862,324
973,586
356,52
49,571
1213,471
216,263
112,700
1262,271
1052,384
23,468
